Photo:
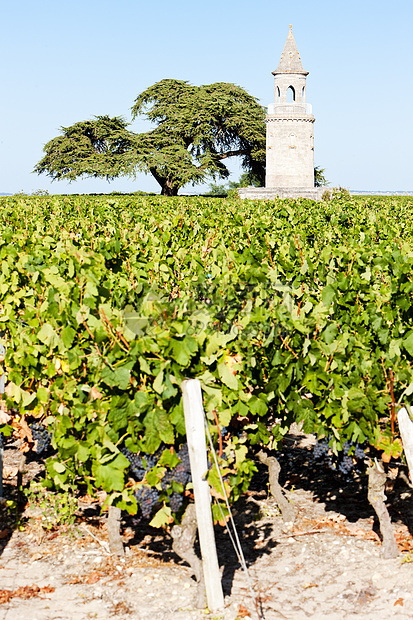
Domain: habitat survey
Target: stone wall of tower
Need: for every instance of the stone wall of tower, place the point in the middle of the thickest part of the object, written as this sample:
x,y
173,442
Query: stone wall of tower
x,y
290,146
283,82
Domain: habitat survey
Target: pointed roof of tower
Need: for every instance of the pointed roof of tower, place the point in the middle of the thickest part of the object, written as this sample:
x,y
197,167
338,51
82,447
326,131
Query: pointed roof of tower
x,y
290,61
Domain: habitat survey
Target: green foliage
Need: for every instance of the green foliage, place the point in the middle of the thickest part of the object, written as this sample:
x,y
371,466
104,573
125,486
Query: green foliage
x,y
56,508
319,177
247,179
95,148
217,190
285,310
197,129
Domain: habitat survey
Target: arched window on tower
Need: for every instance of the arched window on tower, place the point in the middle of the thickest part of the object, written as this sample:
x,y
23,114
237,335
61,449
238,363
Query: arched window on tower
x,y
278,95
303,94
290,94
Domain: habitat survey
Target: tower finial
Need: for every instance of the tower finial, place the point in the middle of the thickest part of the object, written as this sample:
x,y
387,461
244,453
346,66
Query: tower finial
x,y
290,58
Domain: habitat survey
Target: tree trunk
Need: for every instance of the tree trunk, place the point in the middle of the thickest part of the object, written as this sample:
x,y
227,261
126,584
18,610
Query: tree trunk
x,y
168,189
376,497
183,544
287,510
113,525
167,184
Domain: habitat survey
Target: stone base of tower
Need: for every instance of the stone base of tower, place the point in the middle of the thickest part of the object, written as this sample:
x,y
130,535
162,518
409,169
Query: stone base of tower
x,y
270,193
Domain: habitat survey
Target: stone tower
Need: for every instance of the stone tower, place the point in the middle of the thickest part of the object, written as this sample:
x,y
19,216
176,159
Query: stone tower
x,y
290,125
290,134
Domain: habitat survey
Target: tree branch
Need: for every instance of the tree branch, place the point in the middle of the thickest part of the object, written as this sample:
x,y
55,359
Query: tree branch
x,y
232,153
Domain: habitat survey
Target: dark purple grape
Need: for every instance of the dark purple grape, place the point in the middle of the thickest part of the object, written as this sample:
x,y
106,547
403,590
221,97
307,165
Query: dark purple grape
x,y
166,480
320,449
183,455
41,437
175,501
147,498
359,452
136,464
346,465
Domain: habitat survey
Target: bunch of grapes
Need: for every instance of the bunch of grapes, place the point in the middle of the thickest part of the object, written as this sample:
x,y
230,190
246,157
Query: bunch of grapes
x,y
183,455
320,449
175,501
359,453
181,474
147,498
136,464
41,437
344,462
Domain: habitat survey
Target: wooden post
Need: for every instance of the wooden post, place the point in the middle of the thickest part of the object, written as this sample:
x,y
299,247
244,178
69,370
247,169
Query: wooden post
x,y
406,431
195,432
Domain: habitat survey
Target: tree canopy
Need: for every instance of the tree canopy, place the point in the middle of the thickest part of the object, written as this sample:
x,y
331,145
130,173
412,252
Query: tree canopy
x,y
89,148
196,129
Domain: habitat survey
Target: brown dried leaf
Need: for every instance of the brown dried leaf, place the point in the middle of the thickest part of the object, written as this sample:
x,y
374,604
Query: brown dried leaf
x,y
94,577
120,608
5,596
400,601
243,612
4,416
10,472
95,394
25,592
22,430
74,580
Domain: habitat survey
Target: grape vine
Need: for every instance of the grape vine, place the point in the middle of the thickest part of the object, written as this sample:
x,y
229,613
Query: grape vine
x,y
296,312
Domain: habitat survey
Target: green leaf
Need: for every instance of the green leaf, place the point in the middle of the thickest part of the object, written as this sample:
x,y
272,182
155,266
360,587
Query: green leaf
x,y
59,467
257,406
168,459
183,349
68,334
120,377
108,477
83,451
330,333
19,395
408,343
164,426
158,384
43,395
227,377
327,295
162,517
48,336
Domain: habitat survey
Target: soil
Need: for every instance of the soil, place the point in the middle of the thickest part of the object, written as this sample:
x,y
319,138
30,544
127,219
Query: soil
x,y
328,564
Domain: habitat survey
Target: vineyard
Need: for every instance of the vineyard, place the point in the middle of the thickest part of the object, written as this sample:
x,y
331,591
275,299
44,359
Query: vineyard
x,y
288,312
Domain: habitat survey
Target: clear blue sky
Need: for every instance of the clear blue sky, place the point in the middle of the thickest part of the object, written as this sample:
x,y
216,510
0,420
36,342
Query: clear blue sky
x,y
64,62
